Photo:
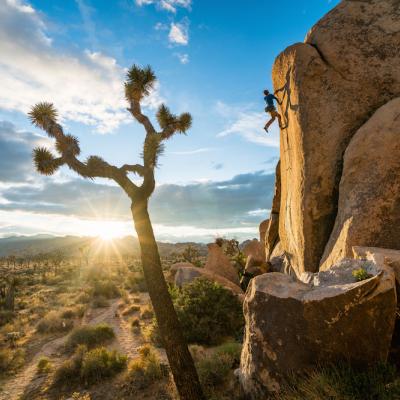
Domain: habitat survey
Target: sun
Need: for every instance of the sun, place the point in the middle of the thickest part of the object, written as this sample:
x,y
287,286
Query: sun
x,y
108,231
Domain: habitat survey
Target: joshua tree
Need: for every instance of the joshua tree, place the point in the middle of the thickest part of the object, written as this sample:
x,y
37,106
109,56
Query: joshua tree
x,y
138,85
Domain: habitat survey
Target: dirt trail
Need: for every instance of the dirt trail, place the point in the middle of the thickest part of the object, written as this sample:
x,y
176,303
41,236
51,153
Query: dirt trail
x,y
27,379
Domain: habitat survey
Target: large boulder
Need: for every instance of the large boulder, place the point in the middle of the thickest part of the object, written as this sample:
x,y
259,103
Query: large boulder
x,y
369,191
170,276
219,263
272,233
187,274
263,227
291,326
330,85
254,249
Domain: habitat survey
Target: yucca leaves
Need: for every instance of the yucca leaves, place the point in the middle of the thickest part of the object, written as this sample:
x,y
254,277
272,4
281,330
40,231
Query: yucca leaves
x,y
152,149
139,82
68,144
184,122
44,161
95,162
168,120
164,117
42,113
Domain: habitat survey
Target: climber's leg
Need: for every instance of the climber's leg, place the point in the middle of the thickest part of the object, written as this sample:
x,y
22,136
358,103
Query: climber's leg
x,y
268,124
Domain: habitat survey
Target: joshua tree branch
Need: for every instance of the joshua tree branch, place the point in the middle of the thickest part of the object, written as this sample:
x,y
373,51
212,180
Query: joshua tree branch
x,y
136,168
95,167
136,111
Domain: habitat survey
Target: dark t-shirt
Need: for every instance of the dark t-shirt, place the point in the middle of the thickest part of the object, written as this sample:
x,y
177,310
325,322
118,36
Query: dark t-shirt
x,y
269,99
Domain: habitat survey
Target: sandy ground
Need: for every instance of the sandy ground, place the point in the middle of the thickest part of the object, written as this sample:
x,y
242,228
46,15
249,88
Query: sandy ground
x,y
28,383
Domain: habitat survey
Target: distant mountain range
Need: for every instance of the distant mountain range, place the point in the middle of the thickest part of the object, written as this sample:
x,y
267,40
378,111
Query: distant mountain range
x,y
21,246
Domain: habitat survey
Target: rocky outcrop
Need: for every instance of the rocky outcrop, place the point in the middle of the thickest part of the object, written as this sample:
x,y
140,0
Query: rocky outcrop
x,y
291,326
369,191
187,274
255,250
218,263
272,233
263,227
330,86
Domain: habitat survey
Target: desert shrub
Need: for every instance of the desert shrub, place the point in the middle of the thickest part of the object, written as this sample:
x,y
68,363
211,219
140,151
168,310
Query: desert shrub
x,y
208,312
11,360
89,366
100,302
83,298
361,274
131,310
53,322
70,313
215,368
90,336
345,383
136,281
105,288
44,365
6,316
146,369
69,371
101,363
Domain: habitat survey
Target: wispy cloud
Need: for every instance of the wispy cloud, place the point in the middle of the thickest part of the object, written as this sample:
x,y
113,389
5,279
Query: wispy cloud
x,y
167,5
183,58
179,33
33,70
247,123
194,151
86,13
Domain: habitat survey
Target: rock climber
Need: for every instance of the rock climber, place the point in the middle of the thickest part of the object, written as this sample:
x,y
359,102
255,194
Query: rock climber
x,y
269,99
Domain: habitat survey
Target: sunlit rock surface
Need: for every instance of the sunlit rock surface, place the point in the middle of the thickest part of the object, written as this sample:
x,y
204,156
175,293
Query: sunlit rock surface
x,y
291,325
330,86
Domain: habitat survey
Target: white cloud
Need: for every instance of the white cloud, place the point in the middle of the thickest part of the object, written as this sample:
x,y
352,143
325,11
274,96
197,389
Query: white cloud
x,y
179,33
85,87
167,5
249,124
159,26
191,152
183,58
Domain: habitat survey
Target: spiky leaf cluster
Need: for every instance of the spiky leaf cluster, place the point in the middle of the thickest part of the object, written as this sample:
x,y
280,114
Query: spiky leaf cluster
x,y
164,117
44,161
139,82
42,113
184,122
168,120
95,162
68,144
152,149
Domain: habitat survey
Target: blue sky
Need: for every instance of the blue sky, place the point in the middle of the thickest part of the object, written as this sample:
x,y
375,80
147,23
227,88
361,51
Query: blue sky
x,y
211,58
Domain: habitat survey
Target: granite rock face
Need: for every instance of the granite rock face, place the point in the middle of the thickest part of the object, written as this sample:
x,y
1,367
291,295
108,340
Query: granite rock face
x,y
187,274
330,86
219,263
369,192
291,325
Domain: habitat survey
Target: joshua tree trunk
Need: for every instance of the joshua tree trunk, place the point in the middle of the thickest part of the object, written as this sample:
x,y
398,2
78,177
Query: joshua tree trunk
x,y
179,358
139,84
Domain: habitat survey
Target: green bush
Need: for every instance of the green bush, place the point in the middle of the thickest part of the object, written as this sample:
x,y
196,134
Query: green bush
x,y
90,336
6,316
208,312
136,281
11,360
89,366
343,382
43,365
361,274
216,368
100,302
54,322
146,369
100,363
105,288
